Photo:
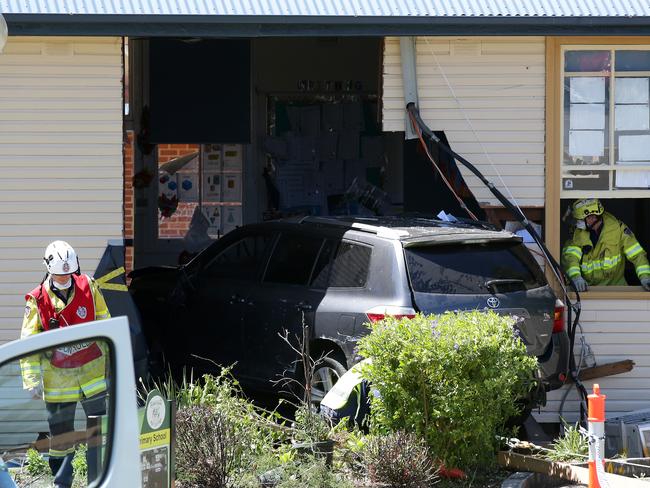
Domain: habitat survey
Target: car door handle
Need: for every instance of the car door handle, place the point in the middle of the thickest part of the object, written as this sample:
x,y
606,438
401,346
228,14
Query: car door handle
x,y
304,306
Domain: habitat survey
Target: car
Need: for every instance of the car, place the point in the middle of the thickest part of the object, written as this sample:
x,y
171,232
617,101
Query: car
x,y
333,275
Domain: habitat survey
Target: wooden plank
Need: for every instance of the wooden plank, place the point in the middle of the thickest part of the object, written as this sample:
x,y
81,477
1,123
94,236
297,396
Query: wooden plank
x,y
569,472
609,369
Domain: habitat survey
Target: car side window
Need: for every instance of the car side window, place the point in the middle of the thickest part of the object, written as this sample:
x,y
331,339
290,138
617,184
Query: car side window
x,y
293,258
350,266
241,260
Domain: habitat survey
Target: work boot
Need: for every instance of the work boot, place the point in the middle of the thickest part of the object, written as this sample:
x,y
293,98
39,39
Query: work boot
x,y
63,477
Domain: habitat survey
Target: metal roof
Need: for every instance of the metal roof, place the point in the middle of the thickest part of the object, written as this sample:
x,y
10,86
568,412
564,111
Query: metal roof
x,y
335,8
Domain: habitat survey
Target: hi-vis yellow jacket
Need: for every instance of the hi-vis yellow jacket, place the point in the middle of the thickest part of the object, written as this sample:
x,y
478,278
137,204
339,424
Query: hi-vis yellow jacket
x,y
604,264
63,384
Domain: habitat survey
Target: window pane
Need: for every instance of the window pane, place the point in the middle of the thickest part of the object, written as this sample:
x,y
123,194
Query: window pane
x,y
56,403
467,268
632,179
587,61
242,260
293,259
350,266
586,120
323,265
632,60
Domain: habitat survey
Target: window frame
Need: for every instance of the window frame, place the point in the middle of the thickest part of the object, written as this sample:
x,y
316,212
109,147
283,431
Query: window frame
x,y
554,114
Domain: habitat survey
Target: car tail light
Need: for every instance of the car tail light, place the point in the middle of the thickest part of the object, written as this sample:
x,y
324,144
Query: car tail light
x,y
558,317
375,314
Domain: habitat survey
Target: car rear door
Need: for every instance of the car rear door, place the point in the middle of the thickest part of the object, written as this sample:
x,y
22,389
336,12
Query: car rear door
x,y
280,303
498,275
221,300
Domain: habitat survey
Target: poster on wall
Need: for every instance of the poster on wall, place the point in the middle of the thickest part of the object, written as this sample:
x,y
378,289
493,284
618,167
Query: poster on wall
x,y
212,157
231,188
213,214
212,187
188,187
231,217
232,157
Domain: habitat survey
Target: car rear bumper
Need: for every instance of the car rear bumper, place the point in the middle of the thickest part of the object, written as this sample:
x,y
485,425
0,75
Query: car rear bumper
x,y
554,363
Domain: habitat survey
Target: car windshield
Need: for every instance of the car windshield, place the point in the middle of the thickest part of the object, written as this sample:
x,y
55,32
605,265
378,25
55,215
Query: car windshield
x,y
493,267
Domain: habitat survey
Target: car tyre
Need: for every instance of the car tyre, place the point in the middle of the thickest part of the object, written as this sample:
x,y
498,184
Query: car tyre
x,y
326,374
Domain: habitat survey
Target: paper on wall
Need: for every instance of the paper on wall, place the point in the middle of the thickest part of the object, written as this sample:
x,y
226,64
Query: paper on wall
x,y
587,90
633,148
231,188
631,90
212,157
231,217
586,143
632,117
587,116
211,187
232,157
213,214
632,179
188,187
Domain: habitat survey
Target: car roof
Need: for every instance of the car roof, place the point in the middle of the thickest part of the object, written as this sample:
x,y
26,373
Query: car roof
x,y
411,230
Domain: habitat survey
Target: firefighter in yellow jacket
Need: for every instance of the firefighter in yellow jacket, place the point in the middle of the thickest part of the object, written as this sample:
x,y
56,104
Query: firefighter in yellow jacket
x,y
596,253
66,375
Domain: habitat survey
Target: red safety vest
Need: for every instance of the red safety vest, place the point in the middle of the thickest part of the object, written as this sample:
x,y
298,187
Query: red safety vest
x,y
81,309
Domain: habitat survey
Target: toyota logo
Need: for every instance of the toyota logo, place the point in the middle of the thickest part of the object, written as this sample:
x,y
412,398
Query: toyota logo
x,y
493,302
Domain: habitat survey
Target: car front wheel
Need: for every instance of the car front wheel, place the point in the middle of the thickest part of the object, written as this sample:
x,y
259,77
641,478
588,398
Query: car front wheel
x,y
326,373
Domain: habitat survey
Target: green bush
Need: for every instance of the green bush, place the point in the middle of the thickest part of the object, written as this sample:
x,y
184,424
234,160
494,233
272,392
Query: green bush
x,y
36,464
452,379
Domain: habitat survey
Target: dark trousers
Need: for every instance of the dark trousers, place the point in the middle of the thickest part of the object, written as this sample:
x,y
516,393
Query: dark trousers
x,y
61,421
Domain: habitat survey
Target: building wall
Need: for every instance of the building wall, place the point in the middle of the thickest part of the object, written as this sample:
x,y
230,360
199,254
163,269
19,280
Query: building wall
x,y
615,330
60,157
61,151
487,94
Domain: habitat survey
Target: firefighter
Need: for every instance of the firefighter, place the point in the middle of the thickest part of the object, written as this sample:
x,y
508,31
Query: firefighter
x,y
596,252
349,398
67,375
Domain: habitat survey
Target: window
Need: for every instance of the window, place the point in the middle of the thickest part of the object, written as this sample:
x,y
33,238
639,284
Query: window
x,y
293,259
606,122
469,268
350,266
241,260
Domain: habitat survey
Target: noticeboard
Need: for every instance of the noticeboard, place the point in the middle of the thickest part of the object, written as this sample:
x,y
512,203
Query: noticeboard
x,y
156,446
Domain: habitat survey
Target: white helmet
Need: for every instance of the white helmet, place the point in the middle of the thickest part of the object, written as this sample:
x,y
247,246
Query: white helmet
x,y
61,259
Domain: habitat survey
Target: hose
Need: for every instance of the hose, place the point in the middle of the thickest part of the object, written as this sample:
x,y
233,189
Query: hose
x,y
423,130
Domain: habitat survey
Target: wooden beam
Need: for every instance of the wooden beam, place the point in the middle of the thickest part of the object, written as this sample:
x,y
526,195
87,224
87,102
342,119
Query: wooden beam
x,y
609,369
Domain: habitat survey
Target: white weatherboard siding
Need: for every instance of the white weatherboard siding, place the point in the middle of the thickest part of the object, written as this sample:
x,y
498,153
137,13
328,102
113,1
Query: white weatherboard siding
x,y
61,164
60,158
616,330
498,109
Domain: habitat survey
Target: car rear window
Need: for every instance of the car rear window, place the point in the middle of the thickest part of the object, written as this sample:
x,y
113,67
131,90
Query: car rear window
x,y
347,269
473,268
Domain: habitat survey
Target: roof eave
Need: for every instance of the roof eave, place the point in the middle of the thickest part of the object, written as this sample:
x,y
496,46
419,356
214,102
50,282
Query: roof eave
x,y
275,26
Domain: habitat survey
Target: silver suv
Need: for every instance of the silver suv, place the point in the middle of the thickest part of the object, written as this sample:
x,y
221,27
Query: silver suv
x,y
231,303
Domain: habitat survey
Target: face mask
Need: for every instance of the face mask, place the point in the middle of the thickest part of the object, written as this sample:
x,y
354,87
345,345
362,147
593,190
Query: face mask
x,y
60,286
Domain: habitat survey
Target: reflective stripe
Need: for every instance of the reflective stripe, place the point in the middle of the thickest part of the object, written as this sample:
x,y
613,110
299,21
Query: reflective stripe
x,y
644,269
58,453
93,387
31,369
573,251
573,271
634,250
597,264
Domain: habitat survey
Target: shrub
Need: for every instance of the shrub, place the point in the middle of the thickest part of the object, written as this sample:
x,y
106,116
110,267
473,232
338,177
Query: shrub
x,y
399,460
36,465
570,446
453,379
208,450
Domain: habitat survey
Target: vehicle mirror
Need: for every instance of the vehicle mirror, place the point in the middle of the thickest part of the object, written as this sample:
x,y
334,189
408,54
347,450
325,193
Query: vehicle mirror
x,y
56,413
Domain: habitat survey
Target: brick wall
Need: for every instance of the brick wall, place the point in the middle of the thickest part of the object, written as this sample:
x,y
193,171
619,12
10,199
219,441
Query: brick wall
x,y
176,226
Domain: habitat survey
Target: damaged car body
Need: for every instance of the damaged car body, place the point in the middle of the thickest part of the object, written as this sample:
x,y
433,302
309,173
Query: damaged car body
x,y
232,303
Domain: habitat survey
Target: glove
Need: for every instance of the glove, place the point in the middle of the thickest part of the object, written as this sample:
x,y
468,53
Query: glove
x,y
36,392
645,283
580,284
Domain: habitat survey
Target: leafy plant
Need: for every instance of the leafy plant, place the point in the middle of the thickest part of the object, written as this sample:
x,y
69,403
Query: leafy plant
x,y
309,426
572,445
452,379
36,465
399,460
